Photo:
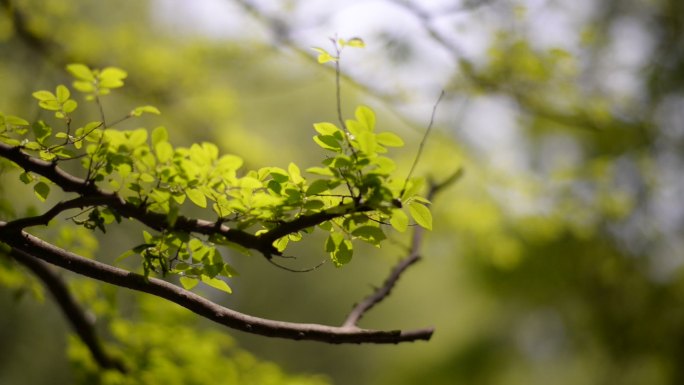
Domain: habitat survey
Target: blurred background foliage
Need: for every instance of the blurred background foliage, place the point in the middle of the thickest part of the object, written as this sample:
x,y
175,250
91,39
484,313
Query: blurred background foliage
x,y
556,259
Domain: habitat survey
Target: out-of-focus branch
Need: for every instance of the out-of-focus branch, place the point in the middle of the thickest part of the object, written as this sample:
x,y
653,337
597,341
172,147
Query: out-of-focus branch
x,y
413,256
83,327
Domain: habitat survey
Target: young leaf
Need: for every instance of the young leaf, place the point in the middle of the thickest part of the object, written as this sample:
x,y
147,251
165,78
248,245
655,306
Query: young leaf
x,y
326,128
399,220
62,93
42,190
328,142
159,134
355,42
112,77
81,72
15,121
372,234
420,214
188,283
217,284
343,254
295,174
323,55
197,197
389,139
44,95
317,187
365,116
69,106
142,109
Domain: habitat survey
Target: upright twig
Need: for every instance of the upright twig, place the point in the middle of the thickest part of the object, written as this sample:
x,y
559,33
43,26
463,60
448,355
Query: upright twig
x,y
413,256
422,143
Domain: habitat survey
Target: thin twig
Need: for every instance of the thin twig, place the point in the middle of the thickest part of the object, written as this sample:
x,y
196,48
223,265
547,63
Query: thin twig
x,y
422,142
413,256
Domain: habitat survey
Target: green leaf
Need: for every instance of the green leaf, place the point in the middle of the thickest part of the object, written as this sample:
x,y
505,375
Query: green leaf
x,y
365,116
389,139
295,174
340,249
399,220
420,214
41,131
328,142
281,243
326,128
159,134
62,93
69,106
367,143
142,109
164,151
197,197
81,72
320,171
15,121
343,254
217,284
372,234
26,177
42,190
188,283
44,96
112,77
317,187
83,86
46,155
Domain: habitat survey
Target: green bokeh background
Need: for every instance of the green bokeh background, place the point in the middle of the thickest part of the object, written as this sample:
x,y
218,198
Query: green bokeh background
x,y
565,271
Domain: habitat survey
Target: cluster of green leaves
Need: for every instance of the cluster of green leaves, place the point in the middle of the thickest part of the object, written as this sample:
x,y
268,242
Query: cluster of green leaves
x,y
353,187
192,356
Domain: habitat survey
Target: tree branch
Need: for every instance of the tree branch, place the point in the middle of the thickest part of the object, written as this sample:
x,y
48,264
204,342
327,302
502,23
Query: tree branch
x,y
413,256
93,195
83,327
33,246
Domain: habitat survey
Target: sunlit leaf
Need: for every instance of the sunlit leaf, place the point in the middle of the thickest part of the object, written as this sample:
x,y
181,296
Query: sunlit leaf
x,y
389,139
328,142
81,72
44,95
318,187
112,77
217,284
399,220
145,109
420,214
295,174
326,128
365,116
372,234
197,197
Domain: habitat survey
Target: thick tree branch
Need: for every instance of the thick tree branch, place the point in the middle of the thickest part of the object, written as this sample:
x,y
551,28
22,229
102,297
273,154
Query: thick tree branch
x,y
90,194
83,327
31,245
413,256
